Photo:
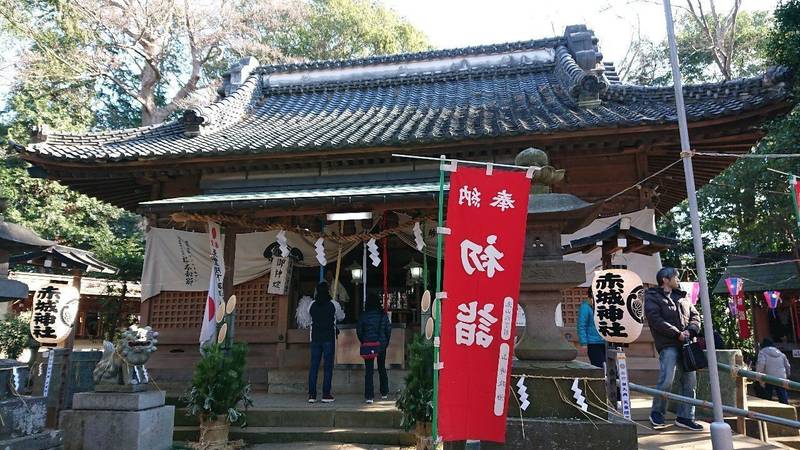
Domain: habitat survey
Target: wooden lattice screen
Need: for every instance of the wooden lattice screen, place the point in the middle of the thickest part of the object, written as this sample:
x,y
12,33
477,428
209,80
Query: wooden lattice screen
x,y
178,310
571,303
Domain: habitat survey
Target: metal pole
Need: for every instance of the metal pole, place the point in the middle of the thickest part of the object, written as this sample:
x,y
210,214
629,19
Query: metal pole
x,y
443,160
721,436
761,377
728,409
437,311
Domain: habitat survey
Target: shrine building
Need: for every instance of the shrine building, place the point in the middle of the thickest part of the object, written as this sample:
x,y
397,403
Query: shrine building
x,y
285,146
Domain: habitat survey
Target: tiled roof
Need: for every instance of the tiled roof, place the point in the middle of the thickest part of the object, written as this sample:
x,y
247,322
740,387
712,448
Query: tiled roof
x,y
526,88
63,257
761,274
329,195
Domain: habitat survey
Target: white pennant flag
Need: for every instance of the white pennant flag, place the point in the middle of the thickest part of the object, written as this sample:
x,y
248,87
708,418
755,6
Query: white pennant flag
x,y
214,298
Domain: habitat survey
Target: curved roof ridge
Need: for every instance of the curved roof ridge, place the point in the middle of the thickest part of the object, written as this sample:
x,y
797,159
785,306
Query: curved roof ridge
x,y
326,64
45,135
464,72
224,112
775,78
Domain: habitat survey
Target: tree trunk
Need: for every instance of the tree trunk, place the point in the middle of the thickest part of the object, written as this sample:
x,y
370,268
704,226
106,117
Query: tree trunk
x,y
147,91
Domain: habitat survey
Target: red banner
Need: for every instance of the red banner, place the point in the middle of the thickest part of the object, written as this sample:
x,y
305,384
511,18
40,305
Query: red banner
x,y
741,317
486,215
736,291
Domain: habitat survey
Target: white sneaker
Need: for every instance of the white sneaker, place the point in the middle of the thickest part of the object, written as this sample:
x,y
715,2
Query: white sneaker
x,y
312,400
369,401
384,397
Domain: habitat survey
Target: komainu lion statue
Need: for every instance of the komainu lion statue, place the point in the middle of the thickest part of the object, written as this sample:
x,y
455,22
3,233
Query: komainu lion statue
x,y
123,363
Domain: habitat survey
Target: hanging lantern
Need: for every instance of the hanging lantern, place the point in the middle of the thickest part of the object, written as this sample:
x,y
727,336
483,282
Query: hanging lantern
x,y
772,298
735,286
356,272
414,270
619,304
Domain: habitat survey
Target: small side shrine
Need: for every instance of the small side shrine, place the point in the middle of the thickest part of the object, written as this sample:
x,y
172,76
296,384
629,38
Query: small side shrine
x,y
64,258
14,239
620,237
22,418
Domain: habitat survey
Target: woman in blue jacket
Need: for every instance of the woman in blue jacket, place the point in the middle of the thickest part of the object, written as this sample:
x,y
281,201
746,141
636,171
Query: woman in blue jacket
x,y
588,335
374,326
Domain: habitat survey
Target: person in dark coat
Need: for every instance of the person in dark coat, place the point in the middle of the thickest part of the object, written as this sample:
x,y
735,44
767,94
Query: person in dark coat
x,y
374,326
673,321
323,343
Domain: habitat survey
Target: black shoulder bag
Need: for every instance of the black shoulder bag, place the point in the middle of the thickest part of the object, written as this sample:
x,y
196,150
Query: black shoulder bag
x,y
692,356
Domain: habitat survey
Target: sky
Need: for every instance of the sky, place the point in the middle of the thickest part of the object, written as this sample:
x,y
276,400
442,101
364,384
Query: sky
x,y
461,23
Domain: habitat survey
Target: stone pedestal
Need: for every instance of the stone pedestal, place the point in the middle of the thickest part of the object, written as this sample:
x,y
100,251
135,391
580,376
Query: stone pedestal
x,y
549,384
22,416
540,294
563,434
552,421
124,421
22,421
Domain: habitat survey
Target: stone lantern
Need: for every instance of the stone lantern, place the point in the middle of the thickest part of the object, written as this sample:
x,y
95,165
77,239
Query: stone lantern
x,y
544,271
545,362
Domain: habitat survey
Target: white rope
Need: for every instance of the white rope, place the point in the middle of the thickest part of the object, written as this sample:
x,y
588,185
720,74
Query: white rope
x,y
749,155
639,183
558,378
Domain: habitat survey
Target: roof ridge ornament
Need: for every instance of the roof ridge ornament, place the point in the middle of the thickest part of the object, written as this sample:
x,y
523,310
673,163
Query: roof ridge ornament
x,y
241,89
39,133
587,86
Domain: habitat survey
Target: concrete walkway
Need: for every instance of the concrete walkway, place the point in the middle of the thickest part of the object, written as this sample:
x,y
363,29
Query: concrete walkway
x,y
673,437
322,446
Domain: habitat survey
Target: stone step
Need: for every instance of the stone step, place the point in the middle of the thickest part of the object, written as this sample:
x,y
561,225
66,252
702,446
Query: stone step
x,y
352,435
321,418
345,380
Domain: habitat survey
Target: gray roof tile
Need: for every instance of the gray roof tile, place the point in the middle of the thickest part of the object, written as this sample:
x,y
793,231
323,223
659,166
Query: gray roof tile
x,y
511,97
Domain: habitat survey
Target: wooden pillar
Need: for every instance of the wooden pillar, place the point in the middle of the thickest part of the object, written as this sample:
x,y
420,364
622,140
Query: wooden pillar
x,y
5,307
229,257
607,253
741,396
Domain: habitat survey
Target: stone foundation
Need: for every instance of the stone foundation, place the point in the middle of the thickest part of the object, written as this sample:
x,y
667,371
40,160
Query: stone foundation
x,y
124,421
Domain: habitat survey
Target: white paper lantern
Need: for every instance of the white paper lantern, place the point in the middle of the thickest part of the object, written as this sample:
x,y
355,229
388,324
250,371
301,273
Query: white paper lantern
x,y
54,309
618,305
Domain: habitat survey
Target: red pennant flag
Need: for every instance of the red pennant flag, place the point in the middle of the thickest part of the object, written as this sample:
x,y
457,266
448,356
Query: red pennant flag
x,y
794,187
486,215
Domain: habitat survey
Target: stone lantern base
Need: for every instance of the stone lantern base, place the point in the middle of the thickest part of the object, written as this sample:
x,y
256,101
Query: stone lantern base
x,y
552,420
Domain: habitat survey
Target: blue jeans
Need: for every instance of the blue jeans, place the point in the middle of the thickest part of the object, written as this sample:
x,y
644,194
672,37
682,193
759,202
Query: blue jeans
x,y
783,396
325,351
669,364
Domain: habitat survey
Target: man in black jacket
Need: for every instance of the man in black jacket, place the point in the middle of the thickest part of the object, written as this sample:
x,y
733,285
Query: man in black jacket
x,y
673,321
323,343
